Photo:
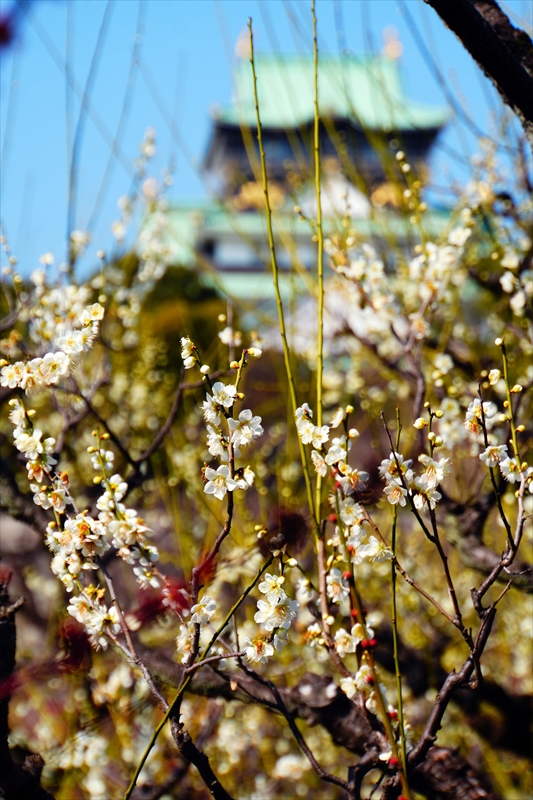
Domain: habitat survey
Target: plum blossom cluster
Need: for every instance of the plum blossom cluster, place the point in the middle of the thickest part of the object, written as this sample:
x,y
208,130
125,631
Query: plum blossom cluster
x,y
275,613
401,481
227,435
127,531
480,418
353,537
364,682
332,459
67,342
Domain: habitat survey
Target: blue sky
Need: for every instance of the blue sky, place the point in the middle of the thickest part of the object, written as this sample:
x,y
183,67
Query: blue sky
x,y
186,53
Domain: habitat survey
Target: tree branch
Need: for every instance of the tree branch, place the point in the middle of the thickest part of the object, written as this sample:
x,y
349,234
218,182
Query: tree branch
x,y
504,53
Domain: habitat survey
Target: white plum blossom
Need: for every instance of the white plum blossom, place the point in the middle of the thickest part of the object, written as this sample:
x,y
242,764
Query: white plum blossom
x,y
187,350
230,337
202,611
396,493
184,639
510,469
29,443
224,395
319,462
146,577
337,451
216,444
219,481
337,586
345,642
70,342
349,686
272,587
211,410
306,430
92,313
425,496
390,468
435,471
351,512
258,651
474,415
54,366
276,614
246,429
375,550
494,455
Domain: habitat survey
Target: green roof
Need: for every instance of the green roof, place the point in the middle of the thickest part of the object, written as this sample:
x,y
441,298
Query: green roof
x,y
212,220
366,90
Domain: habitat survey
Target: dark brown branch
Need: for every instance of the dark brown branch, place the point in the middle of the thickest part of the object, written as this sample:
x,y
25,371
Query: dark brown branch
x,y
16,782
280,706
464,530
318,701
504,53
190,752
162,433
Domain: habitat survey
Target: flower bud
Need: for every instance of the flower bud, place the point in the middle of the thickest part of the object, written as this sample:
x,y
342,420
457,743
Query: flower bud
x,y
516,389
349,409
438,441
498,342
234,365
432,436
400,155
255,352
353,433
439,414
205,370
420,423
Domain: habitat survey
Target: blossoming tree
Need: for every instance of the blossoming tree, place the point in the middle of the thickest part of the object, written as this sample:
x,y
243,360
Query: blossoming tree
x,y
320,590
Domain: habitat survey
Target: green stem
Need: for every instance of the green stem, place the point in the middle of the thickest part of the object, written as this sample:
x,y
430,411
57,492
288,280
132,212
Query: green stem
x,y
189,678
395,627
275,276
320,256
510,404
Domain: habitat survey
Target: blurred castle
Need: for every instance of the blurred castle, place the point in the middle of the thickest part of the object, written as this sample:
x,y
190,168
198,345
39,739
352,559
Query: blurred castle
x,y
364,115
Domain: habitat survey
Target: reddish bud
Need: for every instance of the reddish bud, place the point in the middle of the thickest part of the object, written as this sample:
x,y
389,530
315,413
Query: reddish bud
x,y
334,471
175,596
338,485
369,679
392,714
353,613
332,518
364,643
373,642
393,761
346,574
350,548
